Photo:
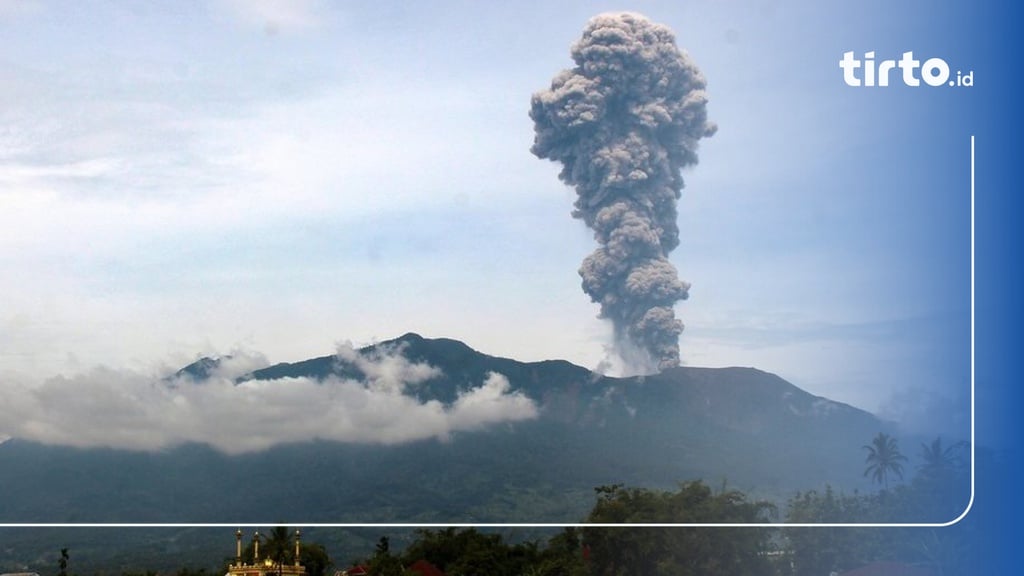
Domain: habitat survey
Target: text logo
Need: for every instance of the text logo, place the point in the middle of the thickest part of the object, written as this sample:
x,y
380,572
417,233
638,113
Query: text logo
x,y
933,71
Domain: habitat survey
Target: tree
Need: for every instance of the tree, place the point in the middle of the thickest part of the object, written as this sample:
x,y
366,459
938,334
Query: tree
x,y
938,492
609,551
823,550
938,461
563,556
883,458
63,564
383,563
682,551
314,557
278,546
942,483
469,551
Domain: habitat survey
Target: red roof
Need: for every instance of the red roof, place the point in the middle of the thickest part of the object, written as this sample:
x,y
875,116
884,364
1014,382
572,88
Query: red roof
x,y
357,571
889,569
425,568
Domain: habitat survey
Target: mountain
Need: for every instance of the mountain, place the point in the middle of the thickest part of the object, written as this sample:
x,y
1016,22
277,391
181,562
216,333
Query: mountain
x,y
741,426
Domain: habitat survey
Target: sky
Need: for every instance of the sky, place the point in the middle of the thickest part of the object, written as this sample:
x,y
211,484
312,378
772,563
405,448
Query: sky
x,y
280,179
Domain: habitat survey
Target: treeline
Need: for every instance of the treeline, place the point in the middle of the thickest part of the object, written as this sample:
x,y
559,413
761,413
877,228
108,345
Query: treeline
x,y
938,493
595,550
935,492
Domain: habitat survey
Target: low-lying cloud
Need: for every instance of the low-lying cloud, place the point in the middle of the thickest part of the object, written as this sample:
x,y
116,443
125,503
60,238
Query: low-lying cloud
x,y
126,409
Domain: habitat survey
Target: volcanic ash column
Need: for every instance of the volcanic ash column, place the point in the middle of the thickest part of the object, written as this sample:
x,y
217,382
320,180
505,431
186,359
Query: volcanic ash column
x,y
623,122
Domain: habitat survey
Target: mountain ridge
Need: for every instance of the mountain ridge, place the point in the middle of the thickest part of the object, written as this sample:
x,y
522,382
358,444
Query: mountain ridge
x,y
754,428
429,349
468,366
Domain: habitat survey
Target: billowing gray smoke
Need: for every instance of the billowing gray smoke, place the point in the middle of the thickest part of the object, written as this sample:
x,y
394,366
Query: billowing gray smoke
x,y
623,123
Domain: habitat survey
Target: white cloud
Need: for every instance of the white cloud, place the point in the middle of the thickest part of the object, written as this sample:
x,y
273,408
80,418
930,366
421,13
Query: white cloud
x,y
490,402
131,410
386,369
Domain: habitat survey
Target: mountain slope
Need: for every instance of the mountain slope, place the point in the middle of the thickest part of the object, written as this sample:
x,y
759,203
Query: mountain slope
x,y
751,428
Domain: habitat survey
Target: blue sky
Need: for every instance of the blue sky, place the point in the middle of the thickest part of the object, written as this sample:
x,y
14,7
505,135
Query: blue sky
x,y
184,179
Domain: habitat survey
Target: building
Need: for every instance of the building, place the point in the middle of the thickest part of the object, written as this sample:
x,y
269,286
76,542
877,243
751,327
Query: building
x,y
264,566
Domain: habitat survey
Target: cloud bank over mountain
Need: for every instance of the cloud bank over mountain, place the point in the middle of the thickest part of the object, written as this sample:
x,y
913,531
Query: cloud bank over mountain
x,y
126,409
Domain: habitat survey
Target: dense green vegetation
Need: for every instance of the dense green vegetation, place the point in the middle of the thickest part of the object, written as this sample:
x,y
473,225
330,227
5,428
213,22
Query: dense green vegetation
x,y
935,493
607,551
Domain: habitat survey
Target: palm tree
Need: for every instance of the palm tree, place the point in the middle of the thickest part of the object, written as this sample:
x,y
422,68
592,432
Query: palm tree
x,y
941,484
278,546
938,461
884,457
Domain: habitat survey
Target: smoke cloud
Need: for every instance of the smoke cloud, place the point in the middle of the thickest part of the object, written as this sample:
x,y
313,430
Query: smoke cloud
x,y
623,123
129,410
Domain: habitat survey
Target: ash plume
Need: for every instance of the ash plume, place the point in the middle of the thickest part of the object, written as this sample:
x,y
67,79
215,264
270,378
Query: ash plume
x,y
623,122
